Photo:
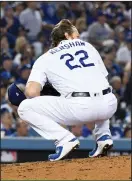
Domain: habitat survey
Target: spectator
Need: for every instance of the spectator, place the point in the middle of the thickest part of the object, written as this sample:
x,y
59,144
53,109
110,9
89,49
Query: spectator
x,y
6,122
76,8
8,67
53,14
3,88
120,36
18,8
109,60
21,129
20,46
24,74
116,131
49,11
22,32
23,49
128,12
7,63
39,44
128,132
86,132
5,49
10,22
125,80
117,86
30,53
2,7
10,37
3,97
24,60
81,131
31,20
76,130
6,77
100,31
127,68
82,27
127,97
126,24
124,53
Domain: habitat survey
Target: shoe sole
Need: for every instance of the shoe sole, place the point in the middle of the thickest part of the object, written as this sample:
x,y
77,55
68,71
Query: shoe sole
x,y
74,148
105,150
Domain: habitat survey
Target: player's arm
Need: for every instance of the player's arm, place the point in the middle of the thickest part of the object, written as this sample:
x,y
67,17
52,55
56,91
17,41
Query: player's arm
x,y
37,79
33,89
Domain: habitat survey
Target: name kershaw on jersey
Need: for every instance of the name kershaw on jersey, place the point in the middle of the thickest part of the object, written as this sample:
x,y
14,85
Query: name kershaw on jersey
x,y
67,46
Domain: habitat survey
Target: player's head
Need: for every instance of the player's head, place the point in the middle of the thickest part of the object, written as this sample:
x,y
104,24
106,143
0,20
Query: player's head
x,y
64,30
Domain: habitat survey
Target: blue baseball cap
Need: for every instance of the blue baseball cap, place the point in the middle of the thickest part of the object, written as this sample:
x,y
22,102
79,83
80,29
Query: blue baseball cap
x,y
113,6
110,16
101,13
4,58
5,75
25,67
4,110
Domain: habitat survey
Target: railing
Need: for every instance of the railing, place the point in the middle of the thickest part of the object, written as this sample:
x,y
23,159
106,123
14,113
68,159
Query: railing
x,y
42,144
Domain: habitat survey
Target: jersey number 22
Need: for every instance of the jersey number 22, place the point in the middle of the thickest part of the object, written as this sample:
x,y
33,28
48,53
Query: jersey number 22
x,y
81,60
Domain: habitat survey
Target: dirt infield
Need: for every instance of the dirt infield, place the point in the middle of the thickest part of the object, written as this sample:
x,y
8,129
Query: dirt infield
x,y
106,168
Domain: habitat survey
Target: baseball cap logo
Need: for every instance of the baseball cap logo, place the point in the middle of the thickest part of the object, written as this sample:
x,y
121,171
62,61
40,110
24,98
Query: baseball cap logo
x,y
17,93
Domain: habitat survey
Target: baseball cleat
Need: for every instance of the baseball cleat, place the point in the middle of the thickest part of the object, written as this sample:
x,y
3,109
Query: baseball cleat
x,y
103,144
62,151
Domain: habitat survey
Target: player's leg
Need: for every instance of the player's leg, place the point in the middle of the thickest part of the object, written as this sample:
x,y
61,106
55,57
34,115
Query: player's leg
x,y
103,139
64,111
102,131
43,119
102,128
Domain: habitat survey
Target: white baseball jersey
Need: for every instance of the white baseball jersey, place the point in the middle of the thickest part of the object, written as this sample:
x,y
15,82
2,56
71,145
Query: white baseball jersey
x,y
72,66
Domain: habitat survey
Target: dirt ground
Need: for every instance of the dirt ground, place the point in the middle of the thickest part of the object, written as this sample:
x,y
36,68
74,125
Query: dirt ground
x,y
106,168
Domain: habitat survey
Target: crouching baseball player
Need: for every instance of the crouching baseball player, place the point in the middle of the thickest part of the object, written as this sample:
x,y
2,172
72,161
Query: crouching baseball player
x,y
76,70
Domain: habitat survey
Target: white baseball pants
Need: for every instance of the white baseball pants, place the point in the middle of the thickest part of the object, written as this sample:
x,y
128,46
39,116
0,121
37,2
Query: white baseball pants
x,y
46,113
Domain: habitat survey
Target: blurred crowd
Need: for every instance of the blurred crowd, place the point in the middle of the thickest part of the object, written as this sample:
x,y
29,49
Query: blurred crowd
x,y
25,29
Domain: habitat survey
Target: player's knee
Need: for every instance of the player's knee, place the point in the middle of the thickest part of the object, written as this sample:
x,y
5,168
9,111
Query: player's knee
x,y
23,107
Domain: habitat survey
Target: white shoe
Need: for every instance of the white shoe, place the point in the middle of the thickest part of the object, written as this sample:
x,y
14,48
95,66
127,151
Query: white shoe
x,y
103,144
62,151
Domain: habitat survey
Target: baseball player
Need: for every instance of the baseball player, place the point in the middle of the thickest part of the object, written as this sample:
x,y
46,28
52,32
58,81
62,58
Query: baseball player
x,y
76,70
